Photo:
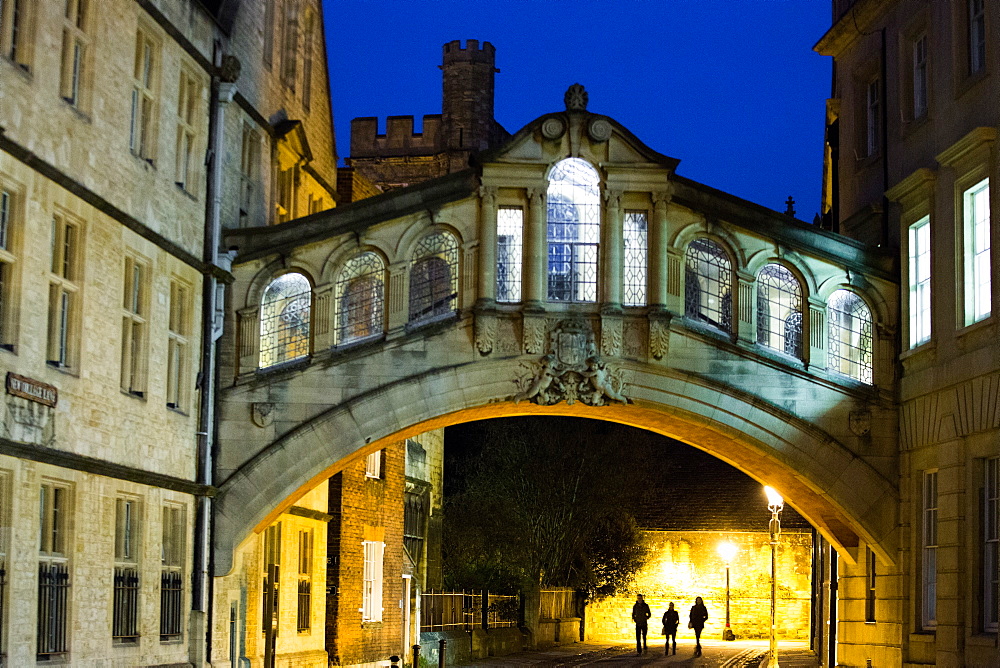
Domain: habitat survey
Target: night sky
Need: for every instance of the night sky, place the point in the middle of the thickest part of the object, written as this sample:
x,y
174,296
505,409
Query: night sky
x,y
732,88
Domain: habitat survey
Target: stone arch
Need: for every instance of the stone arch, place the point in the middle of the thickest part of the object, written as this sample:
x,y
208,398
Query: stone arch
x,y
413,233
717,233
841,494
335,261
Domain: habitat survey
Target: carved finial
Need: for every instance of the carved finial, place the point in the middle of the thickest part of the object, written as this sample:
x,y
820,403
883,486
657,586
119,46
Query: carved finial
x,y
576,98
790,207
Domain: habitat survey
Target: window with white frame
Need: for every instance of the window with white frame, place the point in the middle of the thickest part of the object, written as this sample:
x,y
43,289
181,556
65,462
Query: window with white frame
x,y
304,612
64,292
249,174
144,82
172,551
574,231
284,320
850,336
976,212
359,292
708,284
928,552
779,310
977,35
54,505
15,21
873,97
373,465
634,265
991,544
919,237
125,599
8,264
178,336
135,305
920,76
188,109
75,47
510,243
434,277
371,606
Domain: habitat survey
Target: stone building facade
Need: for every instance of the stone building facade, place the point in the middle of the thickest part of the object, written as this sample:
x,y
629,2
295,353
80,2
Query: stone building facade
x,y
130,133
911,165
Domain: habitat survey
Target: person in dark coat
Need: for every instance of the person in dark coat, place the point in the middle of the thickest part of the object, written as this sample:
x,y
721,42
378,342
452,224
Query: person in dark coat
x,y
699,613
670,621
640,615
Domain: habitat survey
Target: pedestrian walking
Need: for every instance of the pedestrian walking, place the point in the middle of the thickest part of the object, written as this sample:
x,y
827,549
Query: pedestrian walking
x,y
640,615
699,613
670,621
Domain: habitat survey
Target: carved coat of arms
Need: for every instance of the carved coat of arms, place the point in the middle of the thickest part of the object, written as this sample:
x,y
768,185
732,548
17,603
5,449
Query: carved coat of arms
x,y
571,371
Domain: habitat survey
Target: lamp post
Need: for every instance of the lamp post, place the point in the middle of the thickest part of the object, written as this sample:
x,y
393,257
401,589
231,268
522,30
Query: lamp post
x,y
774,503
727,551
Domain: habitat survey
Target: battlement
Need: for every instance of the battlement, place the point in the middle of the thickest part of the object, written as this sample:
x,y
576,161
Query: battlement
x,y
454,52
399,138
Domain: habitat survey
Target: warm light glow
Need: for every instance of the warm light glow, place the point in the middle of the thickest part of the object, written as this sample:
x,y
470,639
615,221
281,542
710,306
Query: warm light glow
x,y
774,500
727,551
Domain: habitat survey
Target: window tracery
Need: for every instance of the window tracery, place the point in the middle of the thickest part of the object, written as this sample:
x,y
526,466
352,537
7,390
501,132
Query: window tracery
x,y
850,336
708,289
360,293
434,277
284,320
779,310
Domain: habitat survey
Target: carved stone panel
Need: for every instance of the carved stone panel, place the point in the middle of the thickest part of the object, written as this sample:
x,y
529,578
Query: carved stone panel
x,y
611,335
534,334
486,329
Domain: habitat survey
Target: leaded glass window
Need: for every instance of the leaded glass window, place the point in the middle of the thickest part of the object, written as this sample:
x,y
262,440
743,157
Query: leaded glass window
x,y
510,232
708,288
359,294
850,344
434,277
574,230
779,310
634,231
284,320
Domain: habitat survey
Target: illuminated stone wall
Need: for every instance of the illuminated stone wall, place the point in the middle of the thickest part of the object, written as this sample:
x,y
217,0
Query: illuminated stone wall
x,y
683,565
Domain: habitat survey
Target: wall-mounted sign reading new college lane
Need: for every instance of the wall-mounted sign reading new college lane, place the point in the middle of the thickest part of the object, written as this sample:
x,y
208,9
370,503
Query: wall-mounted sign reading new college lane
x,y
32,390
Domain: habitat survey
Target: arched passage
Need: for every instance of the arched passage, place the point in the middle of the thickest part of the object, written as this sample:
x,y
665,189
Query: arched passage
x,y
844,497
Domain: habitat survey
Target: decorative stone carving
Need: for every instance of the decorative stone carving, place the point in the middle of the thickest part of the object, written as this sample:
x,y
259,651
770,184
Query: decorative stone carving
x,y
860,422
507,340
633,341
229,70
659,337
611,336
534,335
576,98
553,127
599,129
486,329
28,421
571,371
262,414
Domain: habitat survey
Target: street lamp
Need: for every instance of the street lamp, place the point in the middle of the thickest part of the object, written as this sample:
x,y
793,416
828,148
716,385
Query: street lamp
x,y
727,551
774,503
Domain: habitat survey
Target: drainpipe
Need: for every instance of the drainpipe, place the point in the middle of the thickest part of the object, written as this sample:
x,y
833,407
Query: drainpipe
x,y
885,145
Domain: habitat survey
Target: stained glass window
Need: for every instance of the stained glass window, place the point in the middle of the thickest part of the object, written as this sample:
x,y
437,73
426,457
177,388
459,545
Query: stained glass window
x,y
284,320
434,277
574,230
708,288
850,347
359,294
510,231
634,274
779,310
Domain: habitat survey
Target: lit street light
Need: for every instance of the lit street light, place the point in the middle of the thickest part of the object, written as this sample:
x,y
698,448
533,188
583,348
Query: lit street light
x,y
774,503
727,551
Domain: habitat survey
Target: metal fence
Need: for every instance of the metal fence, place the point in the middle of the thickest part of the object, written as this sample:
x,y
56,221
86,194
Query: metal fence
x,y
53,594
125,614
171,614
467,610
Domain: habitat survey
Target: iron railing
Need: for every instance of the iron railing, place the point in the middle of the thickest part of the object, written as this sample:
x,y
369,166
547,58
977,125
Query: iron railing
x,y
466,610
304,616
53,596
171,614
125,613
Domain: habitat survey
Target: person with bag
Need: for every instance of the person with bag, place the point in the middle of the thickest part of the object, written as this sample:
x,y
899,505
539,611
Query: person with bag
x,y
670,621
640,615
699,613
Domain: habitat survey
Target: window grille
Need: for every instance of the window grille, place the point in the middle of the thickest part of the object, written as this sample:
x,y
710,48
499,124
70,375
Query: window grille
x,y
53,597
929,541
991,544
75,46
124,625
434,277
708,286
977,35
360,293
574,231
978,290
779,310
850,340
414,522
510,244
173,531
143,97
920,281
284,320
171,613
634,275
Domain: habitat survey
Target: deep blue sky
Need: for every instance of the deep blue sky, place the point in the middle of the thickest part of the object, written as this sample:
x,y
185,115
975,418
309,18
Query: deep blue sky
x,y
730,87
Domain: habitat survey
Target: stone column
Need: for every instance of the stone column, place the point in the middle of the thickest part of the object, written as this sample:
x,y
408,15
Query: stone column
x,y
612,241
815,350
398,308
658,252
487,246
536,250
745,307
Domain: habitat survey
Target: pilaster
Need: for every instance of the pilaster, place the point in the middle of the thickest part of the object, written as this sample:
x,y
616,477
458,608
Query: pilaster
x,y
658,251
535,251
397,313
611,272
487,245
746,321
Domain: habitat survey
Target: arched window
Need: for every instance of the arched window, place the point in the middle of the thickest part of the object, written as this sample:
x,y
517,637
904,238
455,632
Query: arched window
x,y
708,287
284,320
359,293
434,277
574,231
779,310
850,346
